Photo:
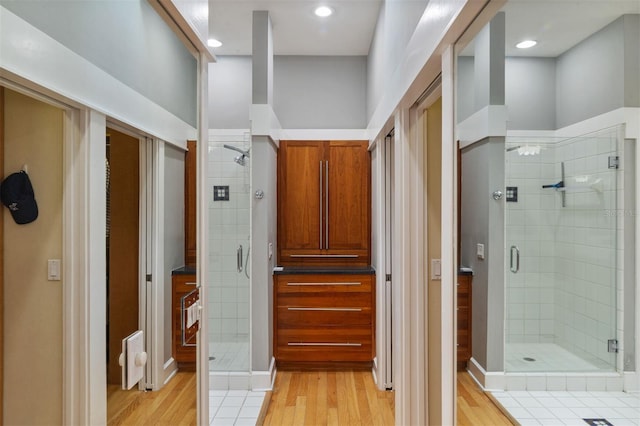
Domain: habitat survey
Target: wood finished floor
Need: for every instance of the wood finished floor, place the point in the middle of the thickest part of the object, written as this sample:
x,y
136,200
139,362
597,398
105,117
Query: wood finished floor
x,y
174,404
310,398
475,407
328,398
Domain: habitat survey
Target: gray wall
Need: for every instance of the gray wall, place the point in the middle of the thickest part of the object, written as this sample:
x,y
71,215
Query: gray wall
x,y
315,92
173,232
631,60
488,64
591,76
599,74
263,232
126,39
464,88
482,222
230,92
397,21
629,307
320,92
530,93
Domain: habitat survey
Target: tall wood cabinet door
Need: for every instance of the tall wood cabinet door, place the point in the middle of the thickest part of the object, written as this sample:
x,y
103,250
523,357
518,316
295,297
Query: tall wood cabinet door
x,y
300,178
348,197
190,235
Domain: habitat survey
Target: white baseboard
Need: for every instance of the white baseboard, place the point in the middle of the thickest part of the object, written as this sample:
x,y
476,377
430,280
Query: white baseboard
x,y
169,370
631,381
594,381
255,380
263,380
490,381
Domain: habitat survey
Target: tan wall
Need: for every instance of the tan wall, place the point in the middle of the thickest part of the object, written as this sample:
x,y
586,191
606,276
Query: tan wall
x,y
433,132
32,304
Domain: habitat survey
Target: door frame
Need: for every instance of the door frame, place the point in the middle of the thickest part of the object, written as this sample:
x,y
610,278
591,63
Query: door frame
x,y
150,254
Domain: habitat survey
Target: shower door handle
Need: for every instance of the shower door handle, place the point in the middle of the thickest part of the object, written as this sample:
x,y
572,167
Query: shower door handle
x,y
517,259
239,258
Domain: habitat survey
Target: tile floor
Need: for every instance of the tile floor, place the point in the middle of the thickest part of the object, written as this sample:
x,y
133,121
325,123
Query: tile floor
x,y
229,356
234,407
571,408
549,357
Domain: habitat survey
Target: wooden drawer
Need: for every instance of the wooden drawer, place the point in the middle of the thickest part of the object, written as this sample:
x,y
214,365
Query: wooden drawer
x,y
185,356
324,319
304,317
325,300
330,344
184,283
323,283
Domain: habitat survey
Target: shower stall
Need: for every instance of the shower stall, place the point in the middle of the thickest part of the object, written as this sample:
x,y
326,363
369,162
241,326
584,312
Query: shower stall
x,y
229,282
564,227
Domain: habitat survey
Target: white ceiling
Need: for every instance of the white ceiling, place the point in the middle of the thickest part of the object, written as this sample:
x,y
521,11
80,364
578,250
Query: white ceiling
x,y
557,25
296,30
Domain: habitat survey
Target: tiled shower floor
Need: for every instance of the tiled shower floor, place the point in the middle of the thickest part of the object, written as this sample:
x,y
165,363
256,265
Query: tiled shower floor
x,y
547,357
229,356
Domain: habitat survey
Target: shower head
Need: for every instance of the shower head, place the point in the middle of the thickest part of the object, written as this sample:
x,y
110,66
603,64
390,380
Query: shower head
x,y
526,149
240,159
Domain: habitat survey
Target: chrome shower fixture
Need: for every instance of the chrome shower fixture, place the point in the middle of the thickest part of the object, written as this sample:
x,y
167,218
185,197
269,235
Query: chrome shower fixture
x,y
240,159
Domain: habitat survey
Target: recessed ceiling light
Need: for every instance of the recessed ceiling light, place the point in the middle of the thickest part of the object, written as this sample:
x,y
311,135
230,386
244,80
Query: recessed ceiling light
x,y
212,42
323,11
526,44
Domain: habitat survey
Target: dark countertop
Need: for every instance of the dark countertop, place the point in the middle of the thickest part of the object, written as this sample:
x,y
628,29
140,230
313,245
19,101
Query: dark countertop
x,y
184,270
346,270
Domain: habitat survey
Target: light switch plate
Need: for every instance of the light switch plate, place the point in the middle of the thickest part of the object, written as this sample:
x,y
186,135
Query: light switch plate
x,y
436,269
53,269
480,251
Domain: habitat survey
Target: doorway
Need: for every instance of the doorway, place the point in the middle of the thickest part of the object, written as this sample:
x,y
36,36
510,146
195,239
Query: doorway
x,y
122,246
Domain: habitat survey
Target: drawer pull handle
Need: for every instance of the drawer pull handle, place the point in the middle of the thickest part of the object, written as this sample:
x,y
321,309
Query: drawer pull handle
x,y
339,256
344,283
190,283
327,309
324,344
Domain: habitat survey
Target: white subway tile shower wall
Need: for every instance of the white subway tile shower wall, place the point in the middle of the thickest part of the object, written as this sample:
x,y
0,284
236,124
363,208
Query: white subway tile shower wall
x,y
566,288
229,225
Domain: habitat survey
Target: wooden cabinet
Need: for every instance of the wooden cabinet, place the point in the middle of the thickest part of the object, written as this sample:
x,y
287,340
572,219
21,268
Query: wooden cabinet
x,y
463,312
324,202
184,354
190,204
324,320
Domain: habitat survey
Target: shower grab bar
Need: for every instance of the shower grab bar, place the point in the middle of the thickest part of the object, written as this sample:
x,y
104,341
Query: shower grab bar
x,y
517,268
320,226
239,258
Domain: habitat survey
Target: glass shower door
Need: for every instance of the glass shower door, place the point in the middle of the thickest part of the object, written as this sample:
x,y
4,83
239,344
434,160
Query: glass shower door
x,y
561,245
229,227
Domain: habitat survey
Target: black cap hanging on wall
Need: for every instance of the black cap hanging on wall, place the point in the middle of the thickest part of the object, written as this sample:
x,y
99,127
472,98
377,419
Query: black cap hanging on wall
x,y
17,195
